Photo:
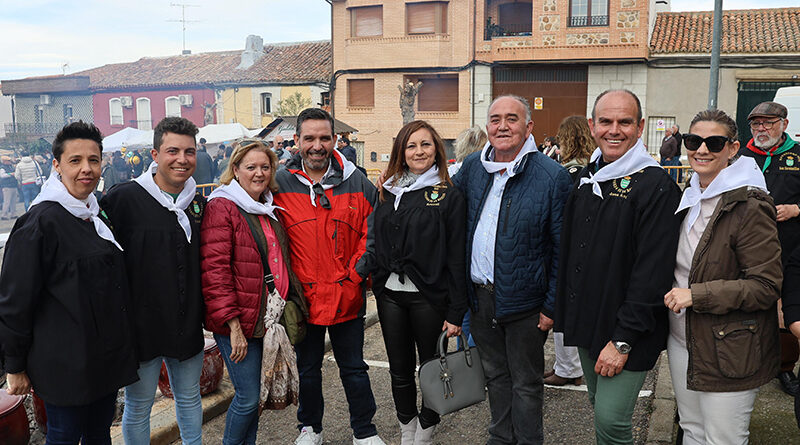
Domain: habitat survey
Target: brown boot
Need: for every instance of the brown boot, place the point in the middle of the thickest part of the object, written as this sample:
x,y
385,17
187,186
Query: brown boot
x,y
555,380
548,373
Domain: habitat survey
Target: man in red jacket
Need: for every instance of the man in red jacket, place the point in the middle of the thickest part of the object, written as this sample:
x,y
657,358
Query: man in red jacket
x,y
327,202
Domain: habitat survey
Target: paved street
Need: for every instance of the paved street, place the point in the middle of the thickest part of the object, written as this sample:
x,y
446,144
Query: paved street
x,y
568,416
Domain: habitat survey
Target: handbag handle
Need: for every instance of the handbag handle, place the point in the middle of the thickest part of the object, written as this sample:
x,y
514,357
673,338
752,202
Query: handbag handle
x,y
442,348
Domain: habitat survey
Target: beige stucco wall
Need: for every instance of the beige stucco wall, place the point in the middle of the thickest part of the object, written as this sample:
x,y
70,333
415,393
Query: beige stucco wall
x,y
682,92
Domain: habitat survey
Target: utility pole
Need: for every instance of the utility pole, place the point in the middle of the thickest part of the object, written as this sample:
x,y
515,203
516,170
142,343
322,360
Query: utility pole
x,y
183,21
713,81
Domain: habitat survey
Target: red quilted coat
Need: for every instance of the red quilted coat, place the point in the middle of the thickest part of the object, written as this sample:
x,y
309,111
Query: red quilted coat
x,y
232,272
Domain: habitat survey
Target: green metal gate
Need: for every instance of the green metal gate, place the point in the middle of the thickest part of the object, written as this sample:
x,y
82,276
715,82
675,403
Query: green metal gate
x,y
752,94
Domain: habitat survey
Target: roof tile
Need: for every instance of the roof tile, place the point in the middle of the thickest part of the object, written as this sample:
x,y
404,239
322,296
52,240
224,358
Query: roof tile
x,y
743,31
302,62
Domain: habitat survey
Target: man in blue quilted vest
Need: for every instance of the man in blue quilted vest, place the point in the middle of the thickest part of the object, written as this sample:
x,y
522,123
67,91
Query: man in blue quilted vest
x,y
515,197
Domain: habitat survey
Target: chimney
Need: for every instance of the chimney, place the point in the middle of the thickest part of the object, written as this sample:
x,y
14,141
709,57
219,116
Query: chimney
x,y
253,50
662,6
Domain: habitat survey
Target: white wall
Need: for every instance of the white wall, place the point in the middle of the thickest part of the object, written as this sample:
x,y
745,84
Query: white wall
x,y
5,114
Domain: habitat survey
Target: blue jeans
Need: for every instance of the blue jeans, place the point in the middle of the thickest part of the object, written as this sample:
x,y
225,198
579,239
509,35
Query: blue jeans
x,y
347,340
67,425
184,379
241,422
29,192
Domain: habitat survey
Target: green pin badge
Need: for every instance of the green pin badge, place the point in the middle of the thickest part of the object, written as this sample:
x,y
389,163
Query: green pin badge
x,y
434,194
624,183
196,208
789,162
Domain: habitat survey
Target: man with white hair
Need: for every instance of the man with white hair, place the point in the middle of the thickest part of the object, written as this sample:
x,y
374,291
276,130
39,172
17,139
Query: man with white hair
x,y
515,197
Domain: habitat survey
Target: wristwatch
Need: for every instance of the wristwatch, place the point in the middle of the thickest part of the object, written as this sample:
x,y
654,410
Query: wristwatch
x,y
622,347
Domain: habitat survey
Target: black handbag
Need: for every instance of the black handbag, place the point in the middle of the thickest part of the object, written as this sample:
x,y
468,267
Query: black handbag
x,y
452,381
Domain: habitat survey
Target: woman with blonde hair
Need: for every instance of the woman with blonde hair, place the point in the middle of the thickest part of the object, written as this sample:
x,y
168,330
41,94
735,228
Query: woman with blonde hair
x,y
576,144
247,280
467,142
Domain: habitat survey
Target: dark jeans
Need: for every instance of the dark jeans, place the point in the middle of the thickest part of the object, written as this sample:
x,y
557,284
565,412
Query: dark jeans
x,y
347,340
241,420
408,319
29,192
512,354
91,424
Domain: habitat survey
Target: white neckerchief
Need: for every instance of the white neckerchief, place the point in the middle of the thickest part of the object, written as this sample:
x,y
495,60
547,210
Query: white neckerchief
x,y
509,167
54,190
184,198
635,159
743,172
347,169
429,178
235,193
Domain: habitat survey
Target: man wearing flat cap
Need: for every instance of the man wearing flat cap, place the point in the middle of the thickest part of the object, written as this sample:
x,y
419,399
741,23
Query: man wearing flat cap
x,y
779,158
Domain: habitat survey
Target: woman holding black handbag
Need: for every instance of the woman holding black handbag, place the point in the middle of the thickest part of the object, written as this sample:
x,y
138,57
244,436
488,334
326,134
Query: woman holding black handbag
x,y
419,272
247,281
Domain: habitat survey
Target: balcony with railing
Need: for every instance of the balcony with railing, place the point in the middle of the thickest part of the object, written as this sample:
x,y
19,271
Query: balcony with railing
x,y
141,124
32,129
494,30
585,20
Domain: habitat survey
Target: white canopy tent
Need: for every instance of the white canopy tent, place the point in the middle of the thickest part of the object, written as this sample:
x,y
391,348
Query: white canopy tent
x,y
127,137
217,133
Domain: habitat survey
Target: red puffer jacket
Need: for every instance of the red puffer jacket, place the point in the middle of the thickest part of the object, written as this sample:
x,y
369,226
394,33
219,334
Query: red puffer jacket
x,y
232,269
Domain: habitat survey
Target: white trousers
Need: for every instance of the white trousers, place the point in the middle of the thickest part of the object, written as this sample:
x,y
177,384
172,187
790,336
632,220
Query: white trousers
x,y
568,364
708,417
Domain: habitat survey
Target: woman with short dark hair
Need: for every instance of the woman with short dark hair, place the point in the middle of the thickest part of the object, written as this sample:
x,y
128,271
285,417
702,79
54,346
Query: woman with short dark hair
x,y
64,327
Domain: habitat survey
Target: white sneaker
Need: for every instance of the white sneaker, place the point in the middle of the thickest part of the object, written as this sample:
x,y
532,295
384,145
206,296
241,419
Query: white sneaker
x,y
424,436
408,431
372,440
308,437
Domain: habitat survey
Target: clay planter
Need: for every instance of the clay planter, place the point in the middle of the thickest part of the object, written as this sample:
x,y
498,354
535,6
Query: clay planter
x,y
213,368
13,420
39,412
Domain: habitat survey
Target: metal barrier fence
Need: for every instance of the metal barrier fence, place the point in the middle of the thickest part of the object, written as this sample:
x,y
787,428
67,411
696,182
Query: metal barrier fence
x,y
206,189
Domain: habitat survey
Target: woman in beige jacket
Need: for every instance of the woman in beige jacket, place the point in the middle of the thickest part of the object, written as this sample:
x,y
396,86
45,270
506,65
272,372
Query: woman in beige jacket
x,y
723,342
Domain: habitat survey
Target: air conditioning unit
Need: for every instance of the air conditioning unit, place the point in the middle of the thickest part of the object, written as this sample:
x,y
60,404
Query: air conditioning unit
x,y
126,101
44,99
185,99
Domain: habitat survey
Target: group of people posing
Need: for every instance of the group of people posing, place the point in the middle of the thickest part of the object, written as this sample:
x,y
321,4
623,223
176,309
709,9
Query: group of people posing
x,y
607,252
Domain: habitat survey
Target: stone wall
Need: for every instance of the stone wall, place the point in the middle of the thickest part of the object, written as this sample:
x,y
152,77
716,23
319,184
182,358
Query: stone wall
x,y
591,38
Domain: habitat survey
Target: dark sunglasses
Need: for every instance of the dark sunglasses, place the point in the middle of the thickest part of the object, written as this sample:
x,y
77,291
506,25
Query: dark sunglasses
x,y
323,199
715,144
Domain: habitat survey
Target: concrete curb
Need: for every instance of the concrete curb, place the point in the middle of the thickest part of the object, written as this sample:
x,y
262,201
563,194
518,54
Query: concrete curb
x,y
663,429
163,426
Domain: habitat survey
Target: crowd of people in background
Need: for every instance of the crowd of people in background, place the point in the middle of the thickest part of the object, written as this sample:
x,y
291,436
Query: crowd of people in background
x,y
119,263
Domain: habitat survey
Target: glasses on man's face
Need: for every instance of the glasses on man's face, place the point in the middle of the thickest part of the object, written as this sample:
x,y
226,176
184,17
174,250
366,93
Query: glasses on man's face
x,y
714,144
766,124
323,199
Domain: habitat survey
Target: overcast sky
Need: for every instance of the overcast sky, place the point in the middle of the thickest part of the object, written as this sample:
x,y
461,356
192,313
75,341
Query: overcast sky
x,y
37,37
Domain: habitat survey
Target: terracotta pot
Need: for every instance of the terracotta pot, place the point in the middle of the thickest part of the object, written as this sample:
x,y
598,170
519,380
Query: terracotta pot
x,y
213,368
39,412
13,420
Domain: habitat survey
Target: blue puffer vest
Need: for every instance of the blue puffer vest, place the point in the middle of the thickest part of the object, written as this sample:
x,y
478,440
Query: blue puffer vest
x,y
528,230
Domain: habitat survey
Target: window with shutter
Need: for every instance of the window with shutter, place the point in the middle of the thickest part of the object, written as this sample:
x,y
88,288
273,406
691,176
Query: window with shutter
x,y
426,18
366,21
361,92
438,93
173,106
115,111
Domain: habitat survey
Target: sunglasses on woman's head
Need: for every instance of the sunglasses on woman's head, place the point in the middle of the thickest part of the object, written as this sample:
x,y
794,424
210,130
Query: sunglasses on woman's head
x,y
715,144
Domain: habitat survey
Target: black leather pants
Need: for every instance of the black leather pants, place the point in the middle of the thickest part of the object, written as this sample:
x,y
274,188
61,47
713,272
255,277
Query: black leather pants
x,y
407,319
